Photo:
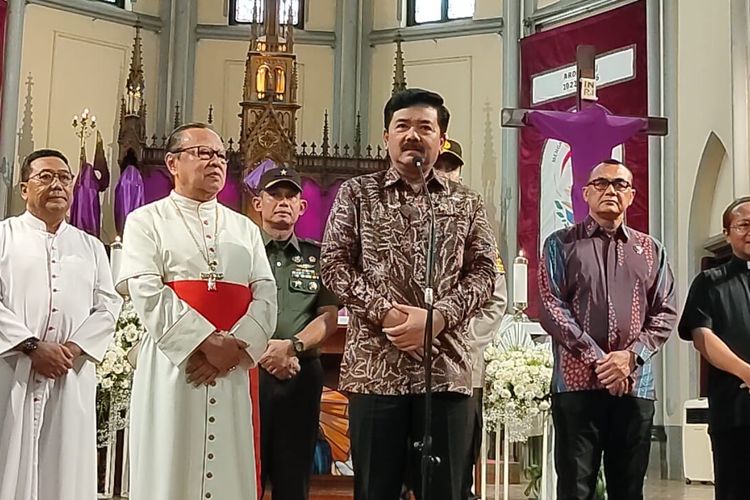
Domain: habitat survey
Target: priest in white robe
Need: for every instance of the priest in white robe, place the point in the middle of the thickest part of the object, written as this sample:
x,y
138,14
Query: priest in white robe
x,y
198,276
58,309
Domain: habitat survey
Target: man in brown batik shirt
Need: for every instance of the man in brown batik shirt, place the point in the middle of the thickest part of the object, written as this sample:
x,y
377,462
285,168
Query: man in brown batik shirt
x,y
373,259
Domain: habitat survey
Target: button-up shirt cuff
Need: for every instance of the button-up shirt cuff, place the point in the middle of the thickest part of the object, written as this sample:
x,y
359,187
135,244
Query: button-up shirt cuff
x,y
449,315
377,310
641,351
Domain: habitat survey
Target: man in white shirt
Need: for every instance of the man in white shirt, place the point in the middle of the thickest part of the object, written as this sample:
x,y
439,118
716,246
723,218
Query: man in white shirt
x,y
198,276
58,309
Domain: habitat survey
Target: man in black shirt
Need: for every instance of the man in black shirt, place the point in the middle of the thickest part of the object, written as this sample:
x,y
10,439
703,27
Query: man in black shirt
x,y
717,319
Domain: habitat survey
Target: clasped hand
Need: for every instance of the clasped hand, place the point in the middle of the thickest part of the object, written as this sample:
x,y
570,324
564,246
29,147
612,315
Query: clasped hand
x,y
216,356
613,371
278,361
404,326
53,360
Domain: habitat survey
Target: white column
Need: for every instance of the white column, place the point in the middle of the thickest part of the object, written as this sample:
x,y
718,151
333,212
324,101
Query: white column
x,y
346,69
509,166
740,96
177,62
11,85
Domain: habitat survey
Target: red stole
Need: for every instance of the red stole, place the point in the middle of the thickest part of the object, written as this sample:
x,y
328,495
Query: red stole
x,y
224,307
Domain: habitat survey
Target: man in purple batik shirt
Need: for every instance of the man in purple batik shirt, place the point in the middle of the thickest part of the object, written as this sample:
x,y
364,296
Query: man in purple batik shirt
x,y
609,306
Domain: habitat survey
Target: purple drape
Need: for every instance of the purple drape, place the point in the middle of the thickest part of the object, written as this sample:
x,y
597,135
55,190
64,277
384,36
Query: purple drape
x,y
231,195
312,223
85,211
157,185
129,195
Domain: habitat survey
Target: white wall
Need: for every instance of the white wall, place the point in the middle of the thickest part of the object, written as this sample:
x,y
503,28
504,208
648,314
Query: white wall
x,y
150,7
77,62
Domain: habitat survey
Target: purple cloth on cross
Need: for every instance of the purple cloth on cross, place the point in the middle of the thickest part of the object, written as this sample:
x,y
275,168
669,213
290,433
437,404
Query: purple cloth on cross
x,y
591,134
129,195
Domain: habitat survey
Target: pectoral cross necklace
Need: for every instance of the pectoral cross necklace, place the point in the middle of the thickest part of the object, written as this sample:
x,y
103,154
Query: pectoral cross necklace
x,y
212,275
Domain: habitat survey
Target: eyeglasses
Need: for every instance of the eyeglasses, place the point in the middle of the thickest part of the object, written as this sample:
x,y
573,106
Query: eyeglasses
x,y
602,184
204,152
47,177
741,228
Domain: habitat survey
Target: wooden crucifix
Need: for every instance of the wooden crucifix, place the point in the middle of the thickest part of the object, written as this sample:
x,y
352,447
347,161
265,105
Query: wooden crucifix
x,y
591,131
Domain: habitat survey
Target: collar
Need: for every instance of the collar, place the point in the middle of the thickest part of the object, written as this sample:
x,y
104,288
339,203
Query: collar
x,y
186,203
392,177
591,227
294,241
36,223
738,265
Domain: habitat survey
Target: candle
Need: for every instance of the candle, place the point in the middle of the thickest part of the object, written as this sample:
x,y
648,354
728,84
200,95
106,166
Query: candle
x,y
520,280
115,258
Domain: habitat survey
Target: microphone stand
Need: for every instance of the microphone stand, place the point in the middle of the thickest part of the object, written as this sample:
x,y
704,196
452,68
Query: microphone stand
x,y
425,446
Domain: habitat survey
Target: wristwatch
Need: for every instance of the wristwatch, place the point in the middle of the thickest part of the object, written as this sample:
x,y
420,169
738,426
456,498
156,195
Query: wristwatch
x,y
297,345
29,345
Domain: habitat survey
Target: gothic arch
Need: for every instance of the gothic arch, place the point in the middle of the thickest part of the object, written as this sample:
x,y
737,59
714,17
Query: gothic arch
x,y
699,226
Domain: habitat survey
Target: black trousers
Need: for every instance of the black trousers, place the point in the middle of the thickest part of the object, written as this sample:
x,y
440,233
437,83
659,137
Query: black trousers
x,y
591,423
289,417
383,430
474,437
731,463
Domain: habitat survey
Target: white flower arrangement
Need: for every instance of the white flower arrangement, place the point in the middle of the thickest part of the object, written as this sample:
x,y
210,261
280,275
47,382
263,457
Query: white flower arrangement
x,y
517,387
114,376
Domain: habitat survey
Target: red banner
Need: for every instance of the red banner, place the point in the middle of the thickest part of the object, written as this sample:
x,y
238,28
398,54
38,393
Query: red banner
x,y
620,35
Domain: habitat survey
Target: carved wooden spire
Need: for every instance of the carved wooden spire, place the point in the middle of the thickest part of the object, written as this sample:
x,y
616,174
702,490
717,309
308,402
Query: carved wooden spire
x,y
399,75
358,137
177,115
271,24
325,145
289,31
135,76
136,84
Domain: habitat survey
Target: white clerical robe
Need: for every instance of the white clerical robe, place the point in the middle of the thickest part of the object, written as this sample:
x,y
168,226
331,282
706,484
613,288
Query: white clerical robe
x,y
192,443
57,288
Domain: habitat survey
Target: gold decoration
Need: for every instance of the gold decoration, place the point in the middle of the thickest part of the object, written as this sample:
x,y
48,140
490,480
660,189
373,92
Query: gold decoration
x,y
84,126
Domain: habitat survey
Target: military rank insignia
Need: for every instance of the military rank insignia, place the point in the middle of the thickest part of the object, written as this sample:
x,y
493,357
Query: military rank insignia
x,y
305,277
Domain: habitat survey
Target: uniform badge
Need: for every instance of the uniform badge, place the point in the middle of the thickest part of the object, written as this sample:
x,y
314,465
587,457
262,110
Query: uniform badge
x,y
312,259
312,286
297,259
297,283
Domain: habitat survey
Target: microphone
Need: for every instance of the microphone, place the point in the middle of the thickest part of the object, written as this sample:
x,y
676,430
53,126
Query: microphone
x,y
419,162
